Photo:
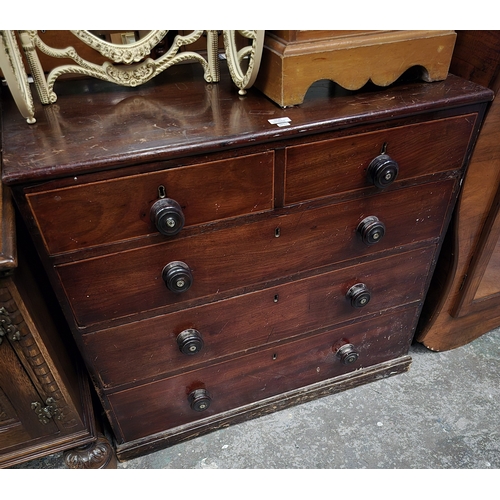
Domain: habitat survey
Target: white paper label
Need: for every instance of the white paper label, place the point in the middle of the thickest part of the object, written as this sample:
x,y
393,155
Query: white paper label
x,y
281,122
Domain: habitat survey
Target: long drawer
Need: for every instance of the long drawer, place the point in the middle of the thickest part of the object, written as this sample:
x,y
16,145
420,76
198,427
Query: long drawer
x,y
96,213
338,165
149,349
164,404
121,284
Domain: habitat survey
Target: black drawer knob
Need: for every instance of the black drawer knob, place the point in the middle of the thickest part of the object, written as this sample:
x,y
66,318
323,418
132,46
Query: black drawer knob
x,y
348,354
382,171
359,295
177,276
199,400
190,341
371,230
166,214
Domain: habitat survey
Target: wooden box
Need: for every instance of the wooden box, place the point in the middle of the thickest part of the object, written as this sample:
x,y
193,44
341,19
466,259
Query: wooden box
x,y
293,60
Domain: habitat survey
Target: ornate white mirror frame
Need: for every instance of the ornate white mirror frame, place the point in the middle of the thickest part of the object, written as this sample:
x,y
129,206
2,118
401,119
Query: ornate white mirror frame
x,y
128,65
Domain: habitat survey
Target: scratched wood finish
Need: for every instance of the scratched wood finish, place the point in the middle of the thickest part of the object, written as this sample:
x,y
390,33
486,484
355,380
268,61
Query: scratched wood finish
x,y
276,274
148,349
124,283
119,209
164,404
98,126
260,408
340,164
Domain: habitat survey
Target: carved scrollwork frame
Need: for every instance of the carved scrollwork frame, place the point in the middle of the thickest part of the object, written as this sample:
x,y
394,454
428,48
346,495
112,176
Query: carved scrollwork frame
x,y
128,65
249,56
130,53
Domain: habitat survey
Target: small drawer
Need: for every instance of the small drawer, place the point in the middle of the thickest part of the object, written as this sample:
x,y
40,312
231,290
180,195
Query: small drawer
x,y
103,212
128,282
183,339
329,167
166,404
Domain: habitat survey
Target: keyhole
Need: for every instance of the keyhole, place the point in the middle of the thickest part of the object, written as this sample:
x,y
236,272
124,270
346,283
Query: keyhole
x,y
276,298
275,356
384,149
277,232
162,192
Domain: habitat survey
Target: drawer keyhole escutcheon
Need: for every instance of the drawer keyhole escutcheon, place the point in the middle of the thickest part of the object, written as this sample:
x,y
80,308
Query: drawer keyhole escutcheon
x,y
359,295
199,400
348,354
382,171
177,276
371,230
190,341
167,216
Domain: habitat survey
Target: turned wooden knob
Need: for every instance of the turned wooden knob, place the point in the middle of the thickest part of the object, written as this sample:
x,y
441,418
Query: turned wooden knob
x,y
348,354
382,171
166,214
190,341
177,276
199,400
371,230
359,295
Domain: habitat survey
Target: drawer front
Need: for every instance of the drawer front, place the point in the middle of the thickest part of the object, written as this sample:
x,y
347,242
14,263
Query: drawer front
x,y
146,349
129,282
119,209
333,166
162,405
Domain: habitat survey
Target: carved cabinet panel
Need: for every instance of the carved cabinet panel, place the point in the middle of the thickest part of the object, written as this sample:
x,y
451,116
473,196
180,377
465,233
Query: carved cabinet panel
x,y
45,399
23,414
45,403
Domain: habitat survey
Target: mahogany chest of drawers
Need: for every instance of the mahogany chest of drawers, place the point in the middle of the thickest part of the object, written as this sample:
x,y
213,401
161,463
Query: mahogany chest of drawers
x,y
218,257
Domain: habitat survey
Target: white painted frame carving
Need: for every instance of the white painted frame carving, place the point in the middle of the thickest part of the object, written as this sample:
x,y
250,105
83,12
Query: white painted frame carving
x,y
128,65
243,78
14,72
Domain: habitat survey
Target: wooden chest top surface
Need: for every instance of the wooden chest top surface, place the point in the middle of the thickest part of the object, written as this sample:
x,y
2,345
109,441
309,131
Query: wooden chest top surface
x,y
95,125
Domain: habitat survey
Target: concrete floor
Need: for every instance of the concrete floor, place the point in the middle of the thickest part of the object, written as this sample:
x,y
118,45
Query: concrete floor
x,y
442,414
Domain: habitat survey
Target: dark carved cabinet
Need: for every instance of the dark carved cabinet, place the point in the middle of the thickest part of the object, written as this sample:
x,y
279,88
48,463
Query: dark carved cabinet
x,y
217,257
42,409
45,398
38,406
